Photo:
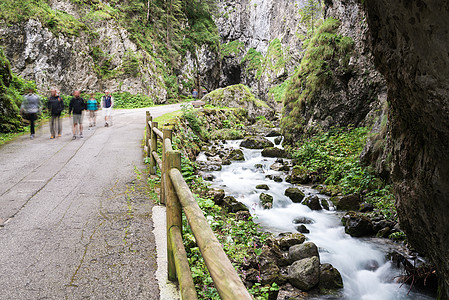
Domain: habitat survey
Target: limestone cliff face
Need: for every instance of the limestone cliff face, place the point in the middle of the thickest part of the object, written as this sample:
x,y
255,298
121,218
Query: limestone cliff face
x,y
410,41
74,62
270,47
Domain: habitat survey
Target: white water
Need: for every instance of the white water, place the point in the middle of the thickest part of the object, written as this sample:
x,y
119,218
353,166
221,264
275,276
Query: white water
x,y
366,273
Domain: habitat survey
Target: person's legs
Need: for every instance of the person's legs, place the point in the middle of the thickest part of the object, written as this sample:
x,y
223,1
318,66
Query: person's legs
x,y
81,124
59,124
52,126
32,118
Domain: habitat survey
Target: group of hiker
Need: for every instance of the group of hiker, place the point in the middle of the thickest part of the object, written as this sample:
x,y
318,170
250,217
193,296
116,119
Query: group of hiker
x,y
32,105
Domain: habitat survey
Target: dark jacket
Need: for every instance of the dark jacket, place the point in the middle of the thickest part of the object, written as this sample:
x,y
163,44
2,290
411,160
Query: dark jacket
x,y
77,105
55,105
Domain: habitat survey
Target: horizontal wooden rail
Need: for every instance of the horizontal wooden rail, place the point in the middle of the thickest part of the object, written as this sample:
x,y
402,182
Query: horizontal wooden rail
x,y
225,277
176,195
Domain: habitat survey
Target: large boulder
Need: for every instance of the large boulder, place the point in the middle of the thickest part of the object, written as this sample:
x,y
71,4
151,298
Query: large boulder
x,y
357,224
301,251
236,154
313,202
295,194
304,274
349,202
291,239
239,96
266,200
274,152
233,205
330,278
256,142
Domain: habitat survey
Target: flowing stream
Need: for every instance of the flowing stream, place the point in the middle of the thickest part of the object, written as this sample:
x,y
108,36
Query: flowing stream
x,y
366,272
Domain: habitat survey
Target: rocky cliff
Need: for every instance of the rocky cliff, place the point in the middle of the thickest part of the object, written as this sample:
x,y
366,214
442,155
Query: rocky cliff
x,y
100,55
410,42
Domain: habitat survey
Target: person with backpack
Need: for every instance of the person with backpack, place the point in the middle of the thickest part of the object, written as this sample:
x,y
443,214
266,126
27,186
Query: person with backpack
x,y
77,105
30,108
55,106
107,102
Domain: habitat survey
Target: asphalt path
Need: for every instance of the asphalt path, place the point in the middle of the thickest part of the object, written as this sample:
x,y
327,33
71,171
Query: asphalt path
x,y
75,220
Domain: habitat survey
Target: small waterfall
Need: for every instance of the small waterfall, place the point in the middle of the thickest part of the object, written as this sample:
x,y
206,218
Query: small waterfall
x,y
366,273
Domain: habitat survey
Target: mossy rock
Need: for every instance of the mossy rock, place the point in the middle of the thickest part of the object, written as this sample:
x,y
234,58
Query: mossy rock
x,y
274,152
256,142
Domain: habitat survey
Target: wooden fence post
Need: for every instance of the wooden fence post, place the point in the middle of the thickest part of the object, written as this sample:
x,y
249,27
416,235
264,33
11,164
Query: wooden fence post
x,y
167,134
153,147
174,209
148,132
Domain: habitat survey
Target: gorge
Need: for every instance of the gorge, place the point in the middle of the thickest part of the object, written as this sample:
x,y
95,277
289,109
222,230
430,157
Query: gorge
x,y
379,64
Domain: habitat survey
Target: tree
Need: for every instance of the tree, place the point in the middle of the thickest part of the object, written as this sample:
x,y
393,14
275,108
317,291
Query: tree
x,y
310,13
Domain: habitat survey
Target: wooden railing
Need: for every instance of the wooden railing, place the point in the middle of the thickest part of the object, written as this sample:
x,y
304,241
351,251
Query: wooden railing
x,y
176,195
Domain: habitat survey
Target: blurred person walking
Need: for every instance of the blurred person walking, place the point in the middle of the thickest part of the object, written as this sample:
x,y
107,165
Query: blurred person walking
x,y
30,108
92,108
77,105
107,102
55,106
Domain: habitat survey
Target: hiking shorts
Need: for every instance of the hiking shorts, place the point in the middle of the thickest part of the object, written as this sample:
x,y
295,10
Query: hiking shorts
x,y
77,118
107,111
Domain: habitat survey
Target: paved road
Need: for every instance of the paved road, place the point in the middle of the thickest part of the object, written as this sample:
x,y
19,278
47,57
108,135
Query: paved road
x,y
76,223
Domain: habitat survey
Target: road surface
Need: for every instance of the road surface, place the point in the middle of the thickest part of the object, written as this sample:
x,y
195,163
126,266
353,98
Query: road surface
x,y
75,222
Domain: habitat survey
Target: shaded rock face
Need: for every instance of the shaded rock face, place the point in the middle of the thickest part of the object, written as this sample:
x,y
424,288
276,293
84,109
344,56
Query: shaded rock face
x,y
67,62
410,42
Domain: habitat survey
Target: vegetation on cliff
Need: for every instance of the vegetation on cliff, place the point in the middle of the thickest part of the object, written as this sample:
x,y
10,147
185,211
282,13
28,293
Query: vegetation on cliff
x,y
327,53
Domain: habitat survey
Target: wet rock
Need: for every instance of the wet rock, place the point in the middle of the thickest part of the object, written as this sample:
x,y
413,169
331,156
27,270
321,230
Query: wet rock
x,y
258,166
210,153
217,195
236,154
325,204
349,202
303,220
305,250
262,187
299,175
216,160
266,200
274,132
384,232
304,274
277,179
291,239
233,205
243,215
256,142
366,207
274,152
276,166
278,140
208,166
313,202
330,278
208,177
357,224
295,194
302,228
226,162
288,292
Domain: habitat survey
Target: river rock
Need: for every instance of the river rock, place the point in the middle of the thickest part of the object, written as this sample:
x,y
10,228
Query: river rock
x,y
300,251
303,220
258,166
256,142
276,166
349,202
207,166
384,232
366,207
274,152
262,187
330,278
217,195
278,140
357,225
233,205
236,154
299,175
295,194
274,132
325,204
302,228
208,177
226,162
266,200
304,274
290,239
313,202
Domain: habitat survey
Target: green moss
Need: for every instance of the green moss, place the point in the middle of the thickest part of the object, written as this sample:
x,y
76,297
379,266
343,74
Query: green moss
x,y
327,53
253,61
238,92
231,48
